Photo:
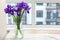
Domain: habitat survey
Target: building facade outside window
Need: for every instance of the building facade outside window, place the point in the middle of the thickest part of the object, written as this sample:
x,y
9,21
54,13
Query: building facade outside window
x,y
48,15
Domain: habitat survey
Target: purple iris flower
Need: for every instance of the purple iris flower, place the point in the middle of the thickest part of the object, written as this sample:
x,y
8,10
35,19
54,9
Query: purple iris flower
x,y
24,6
20,6
6,10
9,6
12,12
27,8
19,14
9,10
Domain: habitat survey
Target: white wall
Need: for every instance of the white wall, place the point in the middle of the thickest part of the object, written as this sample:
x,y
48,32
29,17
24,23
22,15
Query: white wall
x,y
2,20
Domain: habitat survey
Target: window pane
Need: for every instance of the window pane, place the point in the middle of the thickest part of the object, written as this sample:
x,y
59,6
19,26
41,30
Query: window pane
x,y
51,14
50,23
9,21
58,4
39,3
57,23
9,15
24,21
39,13
51,4
39,23
58,13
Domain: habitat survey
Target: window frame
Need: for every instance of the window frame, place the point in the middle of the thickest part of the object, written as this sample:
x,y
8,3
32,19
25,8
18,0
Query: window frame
x,y
37,27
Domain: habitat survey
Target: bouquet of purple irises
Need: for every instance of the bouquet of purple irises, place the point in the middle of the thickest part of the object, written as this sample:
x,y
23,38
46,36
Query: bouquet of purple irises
x,y
17,12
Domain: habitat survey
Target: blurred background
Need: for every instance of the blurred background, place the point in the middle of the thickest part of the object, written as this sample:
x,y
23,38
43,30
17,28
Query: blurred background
x,y
44,17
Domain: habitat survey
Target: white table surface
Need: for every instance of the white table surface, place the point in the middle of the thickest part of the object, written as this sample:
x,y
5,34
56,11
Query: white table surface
x,y
30,36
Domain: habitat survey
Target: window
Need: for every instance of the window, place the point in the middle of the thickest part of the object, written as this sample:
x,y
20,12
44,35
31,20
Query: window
x,y
40,4
9,15
9,21
51,4
39,23
24,19
58,13
51,14
58,4
57,23
46,16
39,13
50,23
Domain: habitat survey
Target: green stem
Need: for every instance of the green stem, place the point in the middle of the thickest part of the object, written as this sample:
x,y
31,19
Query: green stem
x,y
18,26
22,13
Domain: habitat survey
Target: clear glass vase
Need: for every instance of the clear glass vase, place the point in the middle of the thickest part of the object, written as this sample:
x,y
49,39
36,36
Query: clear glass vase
x,y
19,34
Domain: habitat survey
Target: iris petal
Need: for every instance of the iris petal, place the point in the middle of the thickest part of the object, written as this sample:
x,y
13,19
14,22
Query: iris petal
x,y
20,6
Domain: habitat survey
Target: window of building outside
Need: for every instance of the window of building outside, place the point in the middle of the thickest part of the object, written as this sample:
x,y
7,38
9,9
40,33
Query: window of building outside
x,y
39,13
41,4
39,23
51,4
48,16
